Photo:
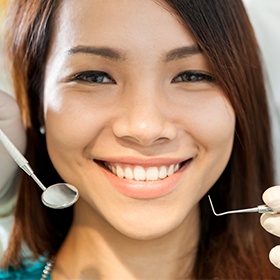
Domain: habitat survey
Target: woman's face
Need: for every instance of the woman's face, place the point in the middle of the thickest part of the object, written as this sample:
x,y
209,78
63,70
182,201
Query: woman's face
x,y
133,117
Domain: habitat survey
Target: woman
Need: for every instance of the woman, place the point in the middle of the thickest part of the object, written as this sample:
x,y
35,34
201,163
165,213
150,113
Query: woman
x,y
147,107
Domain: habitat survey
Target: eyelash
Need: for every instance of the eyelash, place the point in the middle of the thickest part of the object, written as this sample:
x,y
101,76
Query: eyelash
x,y
99,77
192,76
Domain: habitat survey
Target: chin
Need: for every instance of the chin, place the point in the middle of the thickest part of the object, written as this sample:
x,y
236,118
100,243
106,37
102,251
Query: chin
x,y
152,227
146,233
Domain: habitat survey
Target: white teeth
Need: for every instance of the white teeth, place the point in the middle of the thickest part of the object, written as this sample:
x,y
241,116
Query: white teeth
x,y
119,172
113,169
152,173
162,172
128,174
170,170
140,173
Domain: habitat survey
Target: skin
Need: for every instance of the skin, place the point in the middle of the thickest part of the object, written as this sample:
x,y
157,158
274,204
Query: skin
x,y
139,113
271,222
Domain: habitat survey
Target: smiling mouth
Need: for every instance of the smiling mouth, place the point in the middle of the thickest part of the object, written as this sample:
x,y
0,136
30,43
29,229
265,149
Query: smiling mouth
x,y
140,173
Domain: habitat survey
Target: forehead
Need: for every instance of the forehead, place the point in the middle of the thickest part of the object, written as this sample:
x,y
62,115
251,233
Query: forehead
x,y
132,24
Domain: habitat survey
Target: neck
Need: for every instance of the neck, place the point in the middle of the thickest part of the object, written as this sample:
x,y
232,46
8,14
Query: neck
x,y
95,250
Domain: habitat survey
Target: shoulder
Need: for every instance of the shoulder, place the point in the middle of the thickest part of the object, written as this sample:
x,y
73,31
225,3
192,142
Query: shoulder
x,y
31,270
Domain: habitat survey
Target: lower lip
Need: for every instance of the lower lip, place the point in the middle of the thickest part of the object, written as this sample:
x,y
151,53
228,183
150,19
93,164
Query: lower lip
x,y
145,189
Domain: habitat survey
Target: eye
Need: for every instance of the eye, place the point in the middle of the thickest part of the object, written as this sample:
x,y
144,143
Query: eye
x,y
94,77
192,77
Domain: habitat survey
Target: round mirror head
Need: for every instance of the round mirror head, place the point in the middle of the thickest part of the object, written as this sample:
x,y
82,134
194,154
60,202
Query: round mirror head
x,y
60,196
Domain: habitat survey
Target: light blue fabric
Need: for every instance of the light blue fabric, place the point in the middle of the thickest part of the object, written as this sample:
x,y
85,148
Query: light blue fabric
x,y
30,271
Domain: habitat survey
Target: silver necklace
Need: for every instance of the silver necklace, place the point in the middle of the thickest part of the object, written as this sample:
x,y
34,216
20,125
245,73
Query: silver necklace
x,y
47,269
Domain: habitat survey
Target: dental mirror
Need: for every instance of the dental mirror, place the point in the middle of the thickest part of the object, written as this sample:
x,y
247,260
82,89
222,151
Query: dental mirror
x,y
56,196
258,209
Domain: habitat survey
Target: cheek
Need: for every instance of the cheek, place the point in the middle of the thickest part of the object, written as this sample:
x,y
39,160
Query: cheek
x,y
71,124
211,122
213,128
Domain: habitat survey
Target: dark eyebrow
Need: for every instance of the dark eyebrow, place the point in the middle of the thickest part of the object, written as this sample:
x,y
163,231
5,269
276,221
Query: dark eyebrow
x,y
117,55
106,52
182,52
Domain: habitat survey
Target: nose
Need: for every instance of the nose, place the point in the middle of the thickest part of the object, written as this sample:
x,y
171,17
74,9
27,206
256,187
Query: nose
x,y
145,119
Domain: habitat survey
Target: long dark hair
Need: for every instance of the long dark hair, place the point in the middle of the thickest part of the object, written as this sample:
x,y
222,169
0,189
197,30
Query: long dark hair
x,y
230,247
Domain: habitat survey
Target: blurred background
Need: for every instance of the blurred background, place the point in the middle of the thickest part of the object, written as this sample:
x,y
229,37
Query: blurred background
x,y
4,77
265,17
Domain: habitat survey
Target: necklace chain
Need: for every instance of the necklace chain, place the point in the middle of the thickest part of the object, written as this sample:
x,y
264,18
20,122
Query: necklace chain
x,y
47,269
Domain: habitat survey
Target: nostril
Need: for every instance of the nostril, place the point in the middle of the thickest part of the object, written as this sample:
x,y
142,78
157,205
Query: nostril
x,y
146,137
162,140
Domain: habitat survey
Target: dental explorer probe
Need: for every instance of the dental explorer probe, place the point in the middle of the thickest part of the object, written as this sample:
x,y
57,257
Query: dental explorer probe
x,y
56,196
258,209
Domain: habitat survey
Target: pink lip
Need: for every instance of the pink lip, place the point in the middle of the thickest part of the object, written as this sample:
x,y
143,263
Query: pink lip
x,y
145,189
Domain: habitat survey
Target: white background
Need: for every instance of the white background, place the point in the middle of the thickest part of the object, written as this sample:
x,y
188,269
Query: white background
x,y
265,17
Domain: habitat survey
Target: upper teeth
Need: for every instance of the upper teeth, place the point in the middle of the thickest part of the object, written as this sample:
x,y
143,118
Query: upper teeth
x,y
140,173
